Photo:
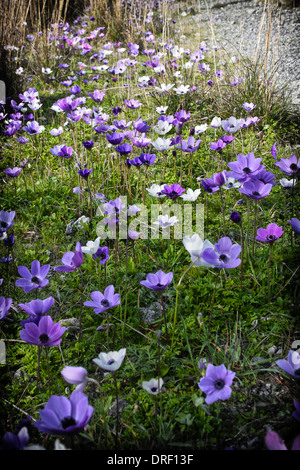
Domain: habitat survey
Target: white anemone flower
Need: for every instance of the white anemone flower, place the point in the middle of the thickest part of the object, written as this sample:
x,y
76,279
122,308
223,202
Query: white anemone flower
x,y
285,183
191,195
231,183
46,71
111,361
161,109
162,127
161,144
155,190
164,221
164,88
153,386
195,246
216,122
201,128
182,89
91,247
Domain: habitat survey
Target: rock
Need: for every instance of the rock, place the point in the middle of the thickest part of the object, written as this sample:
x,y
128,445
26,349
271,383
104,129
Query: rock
x,y
152,313
72,324
77,224
113,408
272,350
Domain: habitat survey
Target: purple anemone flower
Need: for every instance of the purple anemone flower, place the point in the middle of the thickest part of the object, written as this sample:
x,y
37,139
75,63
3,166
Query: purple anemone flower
x,y
102,253
173,190
158,281
210,185
296,413
62,151
5,305
35,309
122,125
85,173
114,207
46,333
34,279
97,96
68,104
147,158
63,416
141,126
12,172
274,151
274,442
181,117
216,384
289,166
245,167
11,441
218,146
295,223
102,302
264,176
123,149
269,234
291,365
224,254
33,128
71,260
132,104
88,144
190,145
115,138
235,217
256,189
12,127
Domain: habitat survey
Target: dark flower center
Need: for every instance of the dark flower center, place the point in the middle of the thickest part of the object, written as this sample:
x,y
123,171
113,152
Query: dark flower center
x,y
43,338
219,384
110,362
256,193
173,194
223,257
271,237
246,170
159,285
35,280
105,303
293,167
297,372
102,255
230,185
67,422
153,389
3,224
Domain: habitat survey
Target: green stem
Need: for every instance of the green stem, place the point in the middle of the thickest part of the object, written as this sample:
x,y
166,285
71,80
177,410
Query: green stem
x,y
269,263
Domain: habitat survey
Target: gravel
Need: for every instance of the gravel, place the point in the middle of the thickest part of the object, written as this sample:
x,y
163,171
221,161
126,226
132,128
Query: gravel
x,y
242,27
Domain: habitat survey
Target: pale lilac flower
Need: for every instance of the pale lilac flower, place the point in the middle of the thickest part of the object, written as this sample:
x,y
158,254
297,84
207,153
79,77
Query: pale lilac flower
x,y
75,376
224,254
101,302
216,384
232,124
274,442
